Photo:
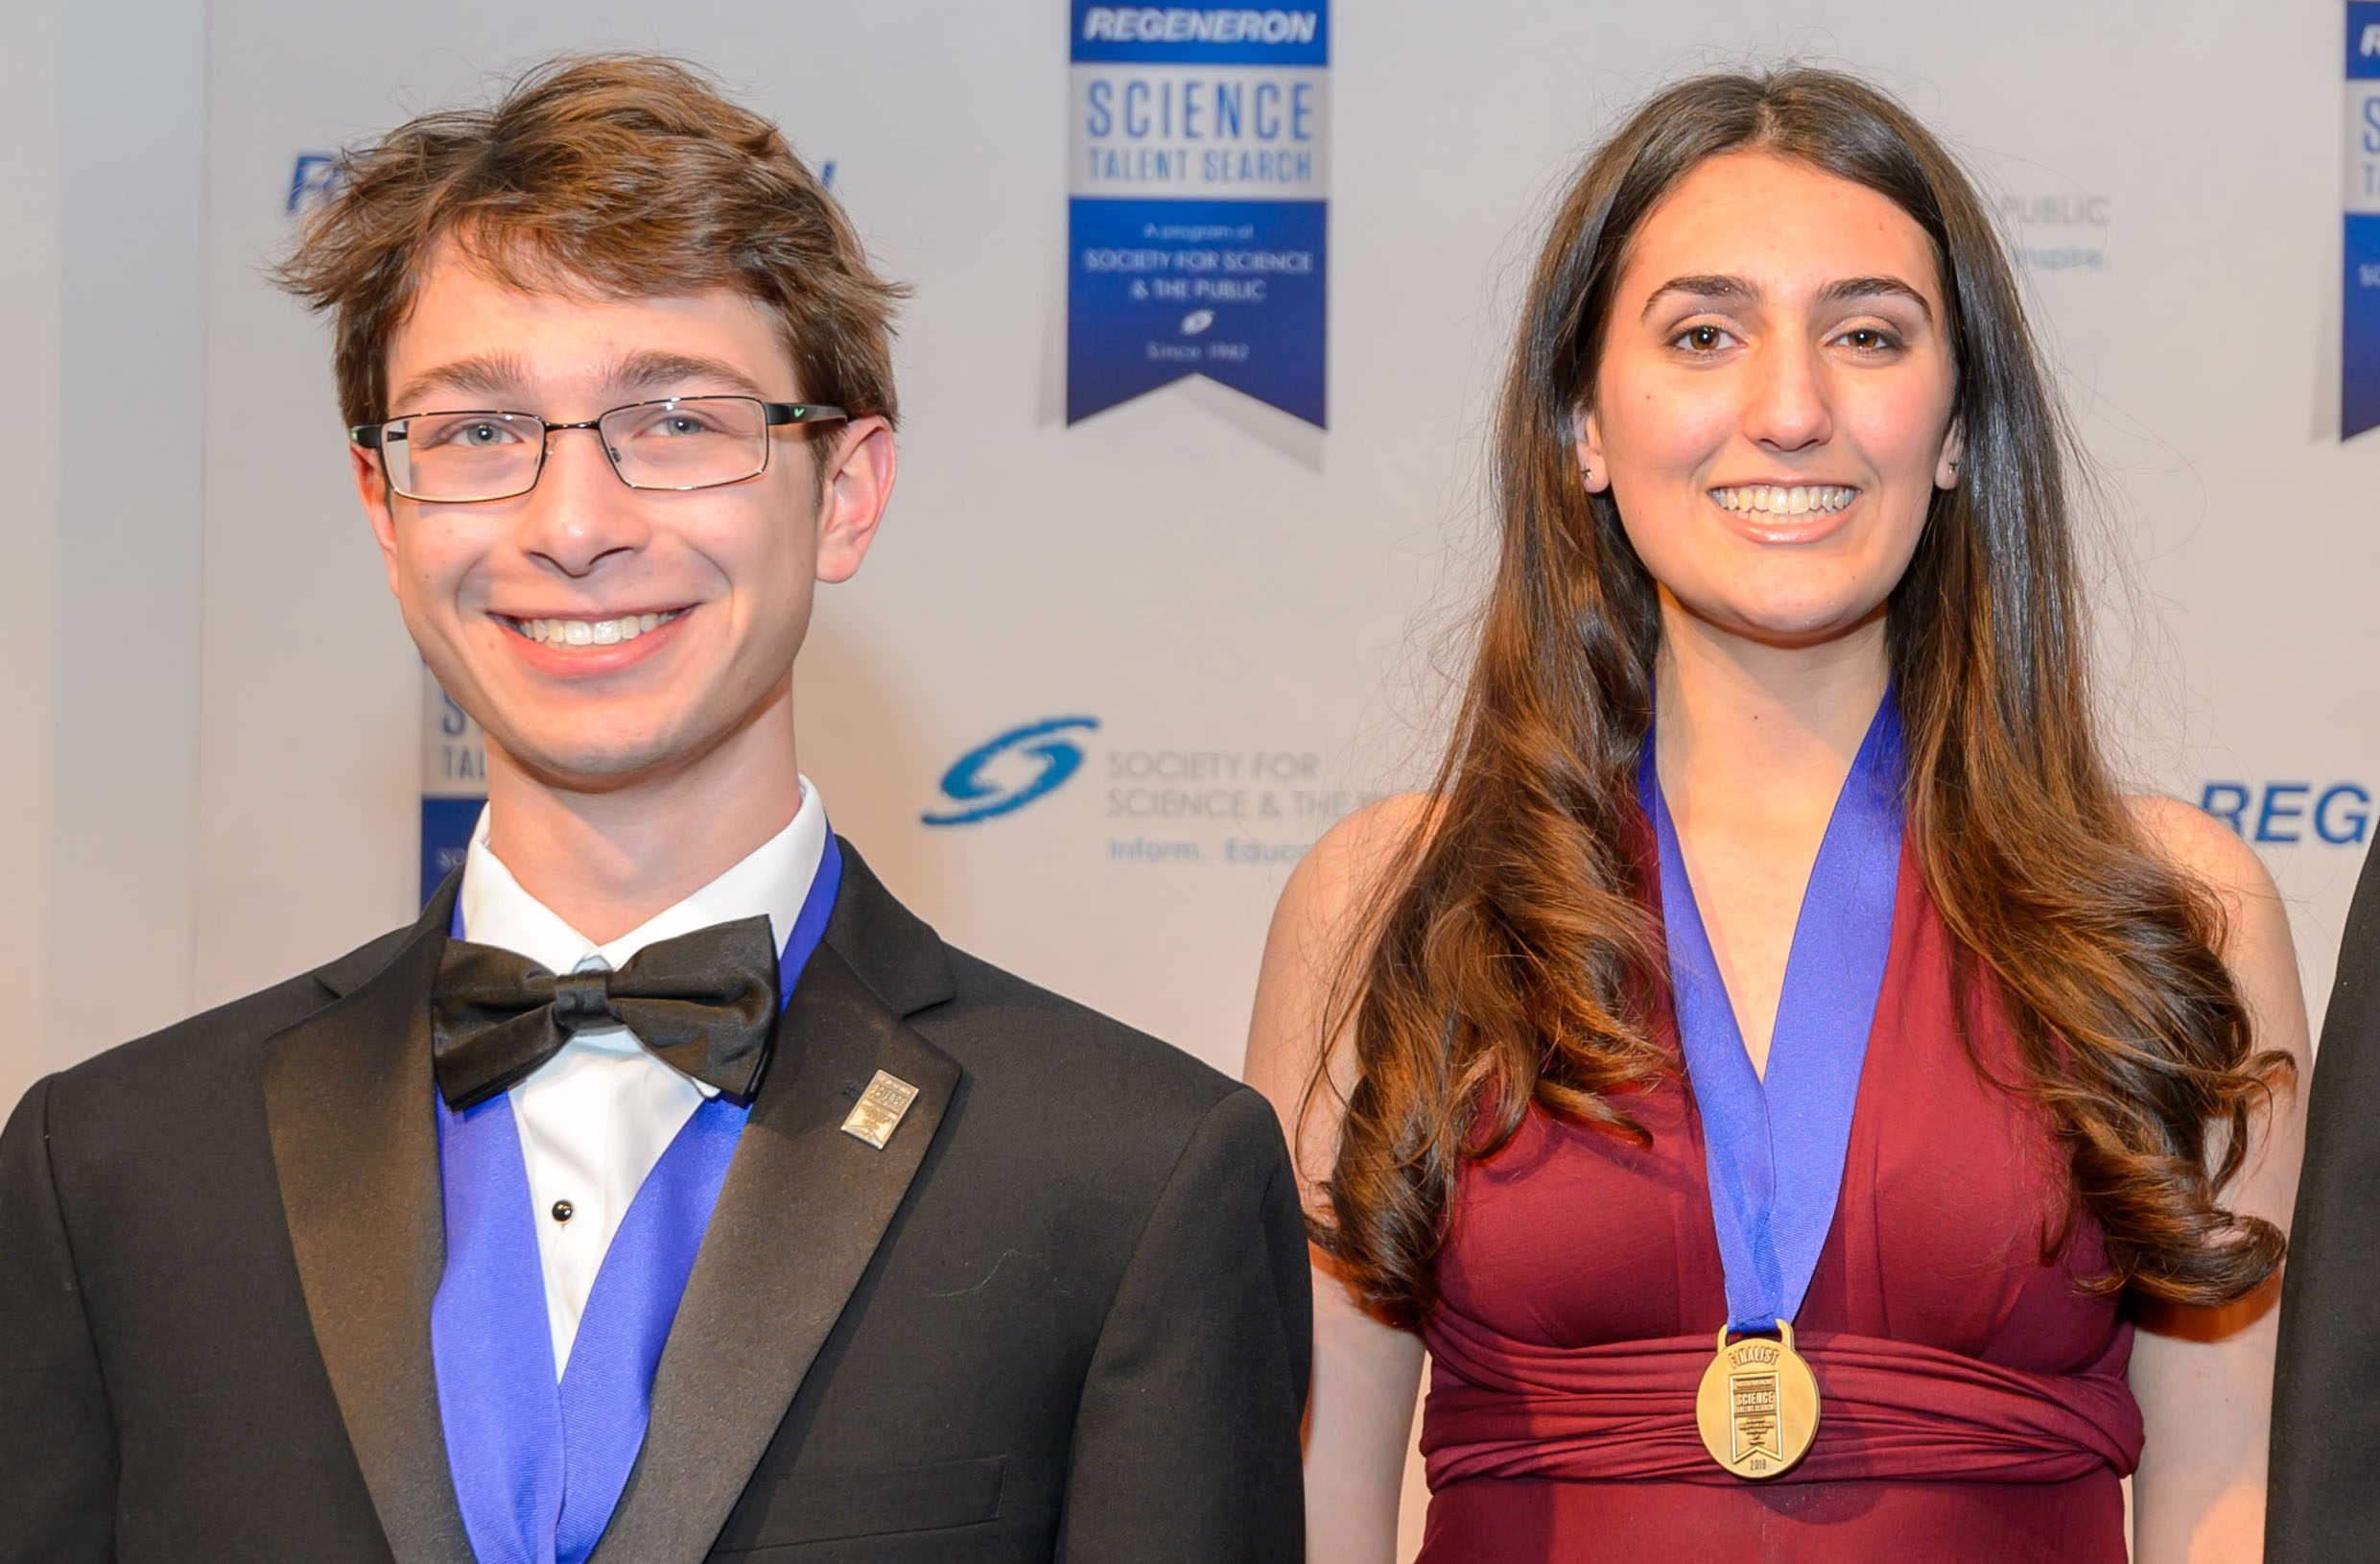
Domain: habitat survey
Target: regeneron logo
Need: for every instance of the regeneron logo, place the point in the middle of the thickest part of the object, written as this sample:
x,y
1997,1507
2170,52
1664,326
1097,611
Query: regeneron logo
x,y
1176,24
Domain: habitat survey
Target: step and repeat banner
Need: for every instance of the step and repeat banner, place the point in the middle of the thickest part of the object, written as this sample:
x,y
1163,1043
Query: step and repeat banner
x,y
1210,302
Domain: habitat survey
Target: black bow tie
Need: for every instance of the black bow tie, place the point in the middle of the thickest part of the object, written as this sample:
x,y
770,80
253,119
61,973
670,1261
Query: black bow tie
x,y
705,1003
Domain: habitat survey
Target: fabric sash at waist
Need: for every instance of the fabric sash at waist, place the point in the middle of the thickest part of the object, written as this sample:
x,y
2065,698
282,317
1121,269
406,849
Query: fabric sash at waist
x,y
1888,1409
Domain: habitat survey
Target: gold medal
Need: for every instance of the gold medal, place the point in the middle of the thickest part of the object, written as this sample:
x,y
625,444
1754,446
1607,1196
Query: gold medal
x,y
1757,1408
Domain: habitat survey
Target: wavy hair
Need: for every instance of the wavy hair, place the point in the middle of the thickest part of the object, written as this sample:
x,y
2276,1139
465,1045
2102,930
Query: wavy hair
x,y
622,175
1509,958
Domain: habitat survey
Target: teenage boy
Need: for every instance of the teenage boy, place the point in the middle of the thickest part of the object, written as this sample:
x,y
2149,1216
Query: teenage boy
x,y
668,1191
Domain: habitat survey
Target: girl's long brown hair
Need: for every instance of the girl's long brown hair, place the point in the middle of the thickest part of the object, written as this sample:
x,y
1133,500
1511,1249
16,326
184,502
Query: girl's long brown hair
x,y
1508,954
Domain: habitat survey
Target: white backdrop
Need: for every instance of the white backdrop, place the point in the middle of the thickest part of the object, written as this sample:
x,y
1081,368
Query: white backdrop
x,y
216,718
1221,588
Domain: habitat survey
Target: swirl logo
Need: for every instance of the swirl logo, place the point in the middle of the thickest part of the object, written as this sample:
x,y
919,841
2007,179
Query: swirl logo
x,y
979,796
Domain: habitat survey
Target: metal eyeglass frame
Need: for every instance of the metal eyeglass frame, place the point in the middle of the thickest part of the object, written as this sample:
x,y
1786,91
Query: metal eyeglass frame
x,y
372,436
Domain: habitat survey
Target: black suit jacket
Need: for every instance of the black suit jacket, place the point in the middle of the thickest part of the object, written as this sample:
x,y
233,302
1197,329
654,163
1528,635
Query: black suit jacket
x,y
2324,1499
1063,1314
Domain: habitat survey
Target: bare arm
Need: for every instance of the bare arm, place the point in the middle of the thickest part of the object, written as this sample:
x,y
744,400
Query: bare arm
x,y
1359,1413
2204,1378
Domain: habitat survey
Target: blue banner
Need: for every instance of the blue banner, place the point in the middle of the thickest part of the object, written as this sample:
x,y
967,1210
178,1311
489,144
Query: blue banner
x,y
1197,219
454,783
2358,357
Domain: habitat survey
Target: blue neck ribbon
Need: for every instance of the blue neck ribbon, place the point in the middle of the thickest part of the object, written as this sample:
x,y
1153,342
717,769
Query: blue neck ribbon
x,y
539,1465
1773,1147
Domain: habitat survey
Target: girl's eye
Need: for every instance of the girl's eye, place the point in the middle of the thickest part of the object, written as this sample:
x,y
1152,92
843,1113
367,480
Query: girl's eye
x,y
1869,339
1701,338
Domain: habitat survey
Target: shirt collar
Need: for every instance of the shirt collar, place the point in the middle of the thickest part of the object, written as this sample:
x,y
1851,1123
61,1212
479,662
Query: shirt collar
x,y
773,880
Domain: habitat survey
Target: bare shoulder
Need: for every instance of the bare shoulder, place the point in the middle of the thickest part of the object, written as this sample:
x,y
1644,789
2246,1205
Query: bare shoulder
x,y
1342,872
1311,951
2208,850
2256,945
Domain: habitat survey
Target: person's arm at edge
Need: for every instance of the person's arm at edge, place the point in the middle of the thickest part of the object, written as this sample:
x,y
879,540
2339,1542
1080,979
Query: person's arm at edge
x,y
1359,1415
2204,1378
2326,1503
57,1455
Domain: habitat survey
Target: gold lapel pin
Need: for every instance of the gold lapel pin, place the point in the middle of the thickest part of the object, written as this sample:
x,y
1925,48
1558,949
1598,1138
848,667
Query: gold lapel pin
x,y
877,1113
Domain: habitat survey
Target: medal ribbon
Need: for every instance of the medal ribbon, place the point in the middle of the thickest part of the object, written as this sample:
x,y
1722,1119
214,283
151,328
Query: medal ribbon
x,y
1773,1148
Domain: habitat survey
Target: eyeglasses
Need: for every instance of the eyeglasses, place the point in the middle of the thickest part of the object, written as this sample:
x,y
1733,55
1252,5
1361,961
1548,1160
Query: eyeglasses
x,y
678,444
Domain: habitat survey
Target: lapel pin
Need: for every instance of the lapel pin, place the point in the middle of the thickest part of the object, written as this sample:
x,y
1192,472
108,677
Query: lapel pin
x,y
879,1108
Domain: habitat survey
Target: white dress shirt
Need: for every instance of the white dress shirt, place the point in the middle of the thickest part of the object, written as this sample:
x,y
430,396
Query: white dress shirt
x,y
595,1118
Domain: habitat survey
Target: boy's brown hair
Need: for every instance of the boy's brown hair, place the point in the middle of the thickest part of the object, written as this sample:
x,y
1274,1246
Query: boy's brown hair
x,y
621,174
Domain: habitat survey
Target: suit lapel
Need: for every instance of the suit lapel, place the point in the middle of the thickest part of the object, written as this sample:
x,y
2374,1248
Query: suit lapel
x,y
801,1215
800,1218
355,1145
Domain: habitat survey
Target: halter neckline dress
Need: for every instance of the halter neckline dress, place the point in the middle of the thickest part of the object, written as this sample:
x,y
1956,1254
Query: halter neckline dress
x,y
1972,1382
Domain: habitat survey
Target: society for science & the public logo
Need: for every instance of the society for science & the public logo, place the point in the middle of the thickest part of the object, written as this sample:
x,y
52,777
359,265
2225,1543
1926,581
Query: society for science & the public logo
x,y
989,780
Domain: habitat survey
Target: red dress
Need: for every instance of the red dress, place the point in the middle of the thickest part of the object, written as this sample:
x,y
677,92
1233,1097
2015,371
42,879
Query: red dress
x,y
1972,1393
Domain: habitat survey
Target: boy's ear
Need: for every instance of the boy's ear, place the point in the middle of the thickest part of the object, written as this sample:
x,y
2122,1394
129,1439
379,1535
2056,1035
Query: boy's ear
x,y
857,485
371,487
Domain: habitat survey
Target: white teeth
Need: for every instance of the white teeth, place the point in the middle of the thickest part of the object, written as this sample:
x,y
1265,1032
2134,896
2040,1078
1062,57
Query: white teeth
x,y
1775,500
581,633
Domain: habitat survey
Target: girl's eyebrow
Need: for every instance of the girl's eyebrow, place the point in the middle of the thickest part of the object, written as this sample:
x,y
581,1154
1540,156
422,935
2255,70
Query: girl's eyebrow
x,y
1843,291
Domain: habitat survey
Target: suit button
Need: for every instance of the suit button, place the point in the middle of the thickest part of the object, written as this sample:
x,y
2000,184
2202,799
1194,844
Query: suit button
x,y
562,1209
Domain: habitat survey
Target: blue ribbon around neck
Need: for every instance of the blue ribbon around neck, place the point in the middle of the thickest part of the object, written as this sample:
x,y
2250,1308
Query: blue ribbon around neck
x,y
539,1465
1773,1147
